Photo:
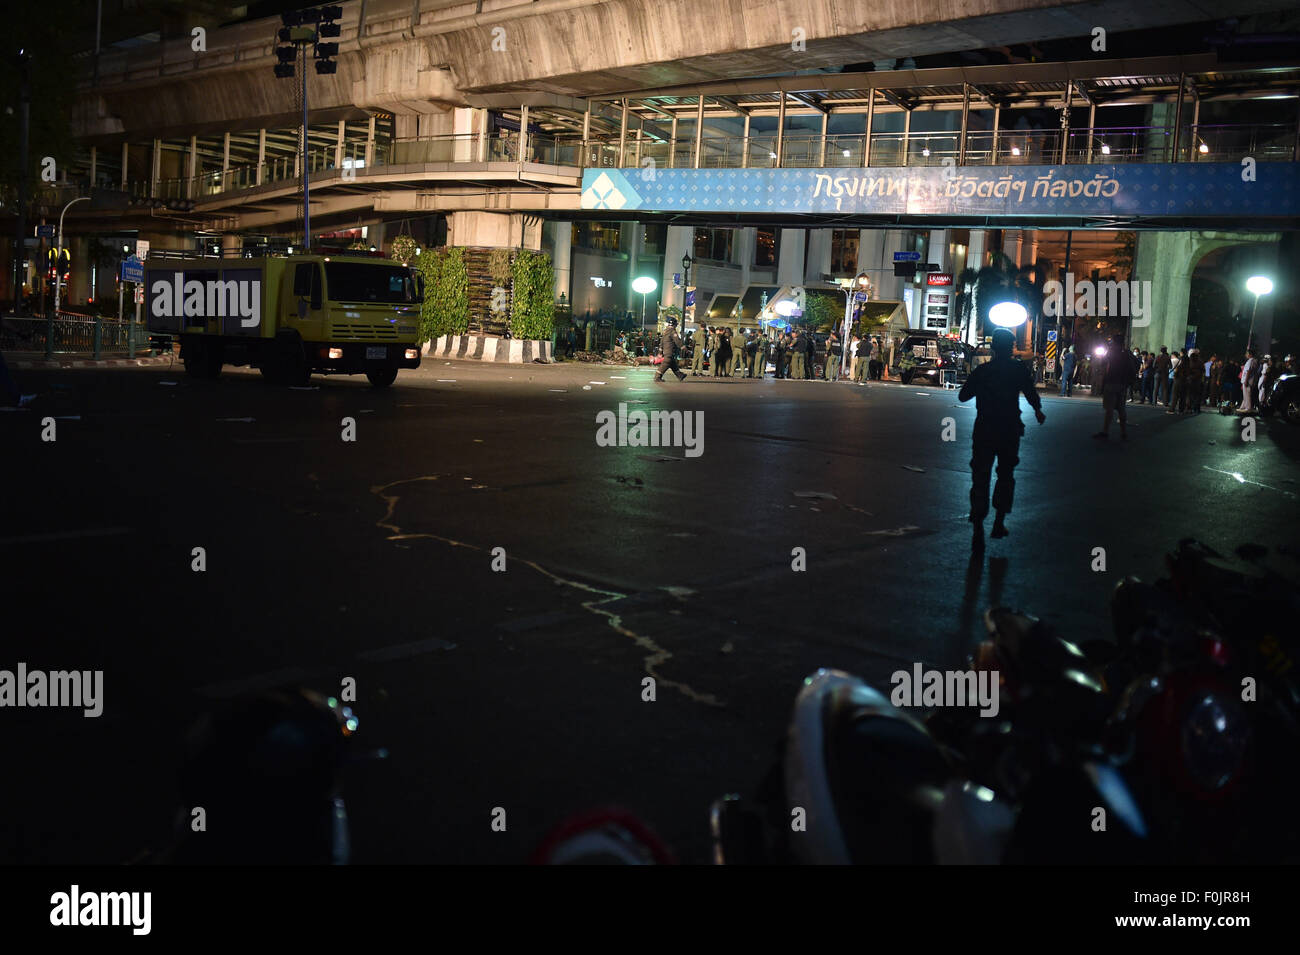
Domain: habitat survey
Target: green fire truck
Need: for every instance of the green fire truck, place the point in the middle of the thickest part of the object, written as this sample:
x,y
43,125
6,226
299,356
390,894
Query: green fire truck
x,y
290,316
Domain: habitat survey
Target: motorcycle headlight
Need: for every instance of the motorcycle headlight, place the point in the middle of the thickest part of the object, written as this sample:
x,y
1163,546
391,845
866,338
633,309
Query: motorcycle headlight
x,y
1214,737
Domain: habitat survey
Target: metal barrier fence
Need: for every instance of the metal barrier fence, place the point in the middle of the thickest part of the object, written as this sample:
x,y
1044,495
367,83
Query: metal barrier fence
x,y
72,334
1265,142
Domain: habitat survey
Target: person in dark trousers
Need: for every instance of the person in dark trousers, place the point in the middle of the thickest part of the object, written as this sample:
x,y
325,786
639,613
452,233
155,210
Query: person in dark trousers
x,y
996,387
780,355
671,346
1115,372
1163,383
1067,372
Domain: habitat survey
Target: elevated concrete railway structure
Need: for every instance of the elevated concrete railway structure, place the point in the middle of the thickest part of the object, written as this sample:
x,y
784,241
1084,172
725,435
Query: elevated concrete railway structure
x,y
502,120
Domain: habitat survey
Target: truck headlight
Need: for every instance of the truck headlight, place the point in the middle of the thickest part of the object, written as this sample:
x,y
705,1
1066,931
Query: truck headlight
x,y
412,353
336,353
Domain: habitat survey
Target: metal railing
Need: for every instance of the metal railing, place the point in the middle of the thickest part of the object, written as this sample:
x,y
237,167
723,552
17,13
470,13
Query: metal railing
x,y
1223,143
72,333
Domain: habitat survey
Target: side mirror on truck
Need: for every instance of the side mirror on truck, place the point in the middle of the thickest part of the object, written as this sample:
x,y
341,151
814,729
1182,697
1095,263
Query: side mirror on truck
x,y
306,283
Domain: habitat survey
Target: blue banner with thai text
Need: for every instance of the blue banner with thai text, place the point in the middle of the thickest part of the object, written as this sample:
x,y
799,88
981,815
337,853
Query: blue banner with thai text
x,y
1136,189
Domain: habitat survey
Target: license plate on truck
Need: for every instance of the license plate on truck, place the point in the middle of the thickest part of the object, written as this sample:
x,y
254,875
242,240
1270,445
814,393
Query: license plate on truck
x,y
378,351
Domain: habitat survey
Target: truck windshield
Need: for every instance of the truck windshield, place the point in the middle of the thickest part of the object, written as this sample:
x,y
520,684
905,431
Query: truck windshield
x,y
363,282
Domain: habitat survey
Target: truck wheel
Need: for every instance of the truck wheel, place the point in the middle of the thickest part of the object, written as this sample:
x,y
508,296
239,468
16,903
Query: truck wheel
x,y
382,379
286,365
202,361
212,363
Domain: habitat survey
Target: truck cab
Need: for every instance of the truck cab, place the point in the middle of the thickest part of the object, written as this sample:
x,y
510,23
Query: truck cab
x,y
291,316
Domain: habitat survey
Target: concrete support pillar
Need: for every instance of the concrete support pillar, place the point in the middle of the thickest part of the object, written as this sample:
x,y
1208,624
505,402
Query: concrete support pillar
x,y
523,134
871,116
818,259
463,127
743,245
1012,241
1166,260
225,161
338,144
939,253
370,143
679,241
622,137
154,166
192,167
261,156
561,241
126,161
94,164
976,250
699,131
1030,248
876,249
790,256
232,244
481,143
780,132
492,230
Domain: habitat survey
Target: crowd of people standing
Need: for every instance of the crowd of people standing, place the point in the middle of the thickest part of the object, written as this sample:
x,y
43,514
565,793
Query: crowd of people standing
x,y
1185,381
795,354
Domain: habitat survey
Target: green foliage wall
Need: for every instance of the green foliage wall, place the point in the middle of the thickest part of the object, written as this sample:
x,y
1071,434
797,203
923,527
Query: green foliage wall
x,y
446,294
532,310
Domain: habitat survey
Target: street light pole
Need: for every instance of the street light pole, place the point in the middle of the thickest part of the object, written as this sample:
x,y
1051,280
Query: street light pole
x,y
20,221
1259,285
686,286
849,294
306,189
58,274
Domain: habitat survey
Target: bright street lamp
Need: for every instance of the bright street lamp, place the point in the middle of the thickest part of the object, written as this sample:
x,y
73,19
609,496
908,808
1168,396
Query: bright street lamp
x,y
1259,285
645,285
1008,314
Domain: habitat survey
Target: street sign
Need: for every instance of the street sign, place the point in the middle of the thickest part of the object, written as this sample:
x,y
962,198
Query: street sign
x,y
907,256
139,295
46,231
132,270
1051,336
141,249
939,278
860,297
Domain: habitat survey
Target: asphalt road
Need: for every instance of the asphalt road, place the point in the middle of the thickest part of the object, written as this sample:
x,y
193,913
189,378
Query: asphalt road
x,y
522,689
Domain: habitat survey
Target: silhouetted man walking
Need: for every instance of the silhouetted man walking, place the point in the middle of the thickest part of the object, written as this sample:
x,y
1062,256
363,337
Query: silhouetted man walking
x,y
996,387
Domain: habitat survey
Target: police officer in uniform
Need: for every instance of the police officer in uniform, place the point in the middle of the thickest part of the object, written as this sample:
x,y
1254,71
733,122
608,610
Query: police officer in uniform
x,y
700,337
739,355
996,387
671,345
761,349
797,361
